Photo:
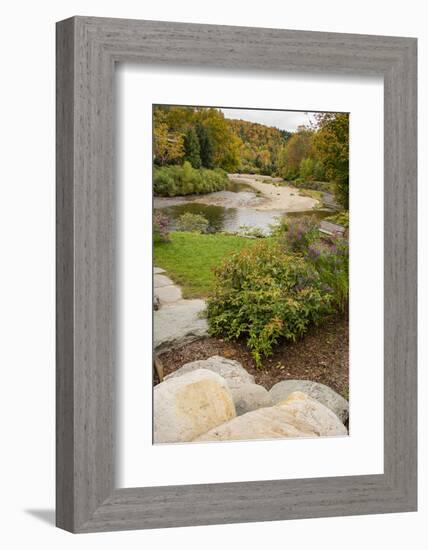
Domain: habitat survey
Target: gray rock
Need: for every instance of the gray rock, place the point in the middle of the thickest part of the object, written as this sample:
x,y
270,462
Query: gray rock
x,y
169,294
156,302
232,371
249,397
178,324
320,392
297,416
190,405
158,270
161,280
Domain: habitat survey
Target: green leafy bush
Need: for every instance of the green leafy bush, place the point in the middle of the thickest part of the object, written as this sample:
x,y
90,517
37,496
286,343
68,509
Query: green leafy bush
x,y
264,294
172,180
195,223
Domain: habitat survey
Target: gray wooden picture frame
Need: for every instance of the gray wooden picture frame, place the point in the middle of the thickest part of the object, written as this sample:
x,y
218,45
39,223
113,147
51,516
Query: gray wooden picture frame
x,y
87,50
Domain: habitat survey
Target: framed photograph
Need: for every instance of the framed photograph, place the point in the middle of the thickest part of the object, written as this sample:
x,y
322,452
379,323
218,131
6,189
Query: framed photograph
x,y
236,274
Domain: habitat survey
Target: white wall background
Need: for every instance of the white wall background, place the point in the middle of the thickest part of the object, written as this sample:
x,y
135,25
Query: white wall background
x,y
27,272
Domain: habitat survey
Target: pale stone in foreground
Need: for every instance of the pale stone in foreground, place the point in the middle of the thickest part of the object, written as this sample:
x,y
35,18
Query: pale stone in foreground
x,y
297,416
179,323
190,405
161,280
169,294
317,391
249,397
232,371
158,270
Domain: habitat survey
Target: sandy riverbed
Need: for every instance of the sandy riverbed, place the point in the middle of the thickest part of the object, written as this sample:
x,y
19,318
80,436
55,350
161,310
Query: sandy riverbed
x,y
276,197
265,196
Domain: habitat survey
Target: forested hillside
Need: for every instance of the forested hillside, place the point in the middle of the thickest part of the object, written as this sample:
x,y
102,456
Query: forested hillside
x,y
200,142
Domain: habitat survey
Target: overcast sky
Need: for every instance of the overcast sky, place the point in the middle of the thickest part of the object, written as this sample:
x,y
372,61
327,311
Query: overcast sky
x,y
284,120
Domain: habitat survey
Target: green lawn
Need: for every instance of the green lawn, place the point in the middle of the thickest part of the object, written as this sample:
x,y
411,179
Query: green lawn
x,y
189,258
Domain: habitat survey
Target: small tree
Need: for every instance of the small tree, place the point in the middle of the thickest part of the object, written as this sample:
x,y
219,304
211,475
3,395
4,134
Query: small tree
x,y
306,170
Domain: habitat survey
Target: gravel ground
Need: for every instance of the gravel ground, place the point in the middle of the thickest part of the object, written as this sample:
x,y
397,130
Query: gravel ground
x,y
321,356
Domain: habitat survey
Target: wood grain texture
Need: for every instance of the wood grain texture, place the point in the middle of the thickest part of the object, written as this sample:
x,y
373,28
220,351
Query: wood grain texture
x,y
87,49
64,277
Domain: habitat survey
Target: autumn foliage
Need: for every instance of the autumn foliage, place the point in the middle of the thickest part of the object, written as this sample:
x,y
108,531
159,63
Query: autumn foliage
x,y
204,138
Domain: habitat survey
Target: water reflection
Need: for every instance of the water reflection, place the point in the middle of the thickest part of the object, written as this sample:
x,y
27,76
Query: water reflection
x,y
221,218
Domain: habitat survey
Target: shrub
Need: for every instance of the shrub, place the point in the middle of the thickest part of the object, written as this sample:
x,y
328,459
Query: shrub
x,y
331,262
251,231
264,294
169,181
195,223
160,227
329,256
297,234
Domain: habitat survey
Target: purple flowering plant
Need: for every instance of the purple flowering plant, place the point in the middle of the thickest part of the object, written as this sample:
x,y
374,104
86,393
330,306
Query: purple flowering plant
x,y
160,227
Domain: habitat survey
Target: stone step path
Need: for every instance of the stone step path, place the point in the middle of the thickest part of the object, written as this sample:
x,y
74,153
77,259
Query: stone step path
x,y
176,321
166,290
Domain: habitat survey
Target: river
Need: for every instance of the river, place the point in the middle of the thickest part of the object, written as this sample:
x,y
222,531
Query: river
x,y
244,203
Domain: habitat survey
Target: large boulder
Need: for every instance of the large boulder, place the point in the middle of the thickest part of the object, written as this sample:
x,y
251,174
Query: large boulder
x,y
249,397
179,323
297,416
317,391
232,371
190,405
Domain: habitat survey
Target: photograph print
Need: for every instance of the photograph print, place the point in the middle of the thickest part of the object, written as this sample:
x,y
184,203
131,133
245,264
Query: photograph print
x,y
250,274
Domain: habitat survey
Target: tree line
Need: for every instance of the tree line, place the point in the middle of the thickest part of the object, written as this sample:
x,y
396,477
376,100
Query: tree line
x,y
206,139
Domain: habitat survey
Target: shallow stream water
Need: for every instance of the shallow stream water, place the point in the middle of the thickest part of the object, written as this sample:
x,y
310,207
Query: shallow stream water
x,y
238,208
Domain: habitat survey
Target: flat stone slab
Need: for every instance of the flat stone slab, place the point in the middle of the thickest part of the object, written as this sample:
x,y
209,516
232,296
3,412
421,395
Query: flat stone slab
x,y
232,371
158,270
315,390
178,324
162,280
168,294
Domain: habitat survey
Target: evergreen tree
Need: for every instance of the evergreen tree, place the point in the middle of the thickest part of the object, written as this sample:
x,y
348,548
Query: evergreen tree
x,y
206,146
192,150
